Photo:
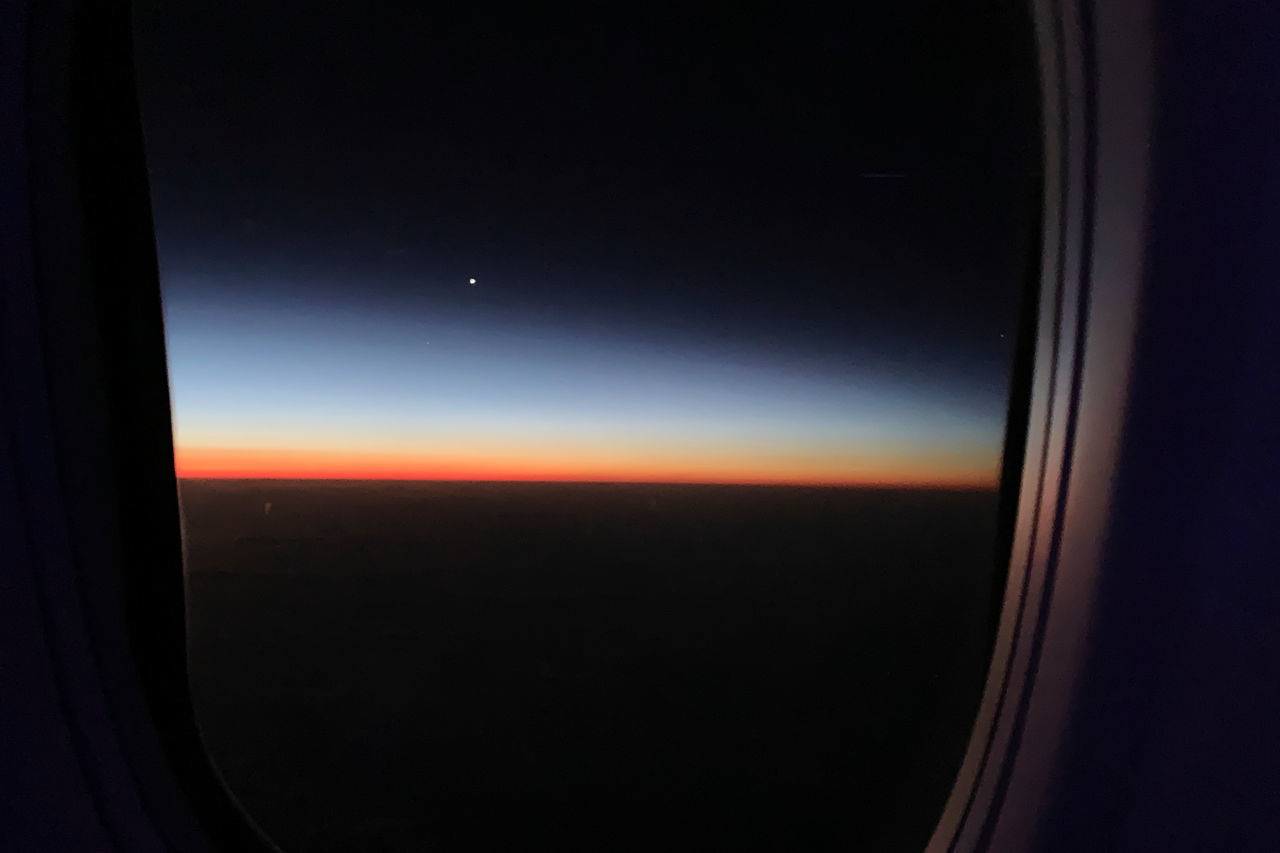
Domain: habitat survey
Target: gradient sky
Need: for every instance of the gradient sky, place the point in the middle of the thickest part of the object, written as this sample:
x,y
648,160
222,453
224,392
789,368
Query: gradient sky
x,y
689,263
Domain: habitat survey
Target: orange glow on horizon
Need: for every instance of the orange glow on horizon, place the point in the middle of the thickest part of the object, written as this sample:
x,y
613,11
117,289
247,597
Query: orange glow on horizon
x,y
953,470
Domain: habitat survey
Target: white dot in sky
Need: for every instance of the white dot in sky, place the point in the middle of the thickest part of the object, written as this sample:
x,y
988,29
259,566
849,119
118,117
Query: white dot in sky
x,y
471,281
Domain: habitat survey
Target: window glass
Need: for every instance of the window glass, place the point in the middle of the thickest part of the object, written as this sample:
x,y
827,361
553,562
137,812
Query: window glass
x,y
589,421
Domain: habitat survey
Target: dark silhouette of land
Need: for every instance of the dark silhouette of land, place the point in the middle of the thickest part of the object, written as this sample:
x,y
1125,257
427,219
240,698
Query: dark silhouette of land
x,y
481,666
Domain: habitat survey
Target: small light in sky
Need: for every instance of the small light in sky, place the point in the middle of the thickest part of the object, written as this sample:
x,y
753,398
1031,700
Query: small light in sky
x,y
471,281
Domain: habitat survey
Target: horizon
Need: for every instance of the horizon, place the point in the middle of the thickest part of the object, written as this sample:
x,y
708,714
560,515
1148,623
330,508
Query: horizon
x,y
284,464
940,486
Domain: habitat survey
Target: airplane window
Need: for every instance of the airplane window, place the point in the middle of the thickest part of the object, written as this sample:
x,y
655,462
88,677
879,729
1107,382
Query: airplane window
x,y
589,422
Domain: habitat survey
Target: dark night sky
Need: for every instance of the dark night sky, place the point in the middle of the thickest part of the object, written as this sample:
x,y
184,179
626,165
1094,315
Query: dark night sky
x,y
670,214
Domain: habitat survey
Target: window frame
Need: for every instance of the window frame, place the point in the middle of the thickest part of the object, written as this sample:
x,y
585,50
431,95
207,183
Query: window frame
x,y
1097,84
88,421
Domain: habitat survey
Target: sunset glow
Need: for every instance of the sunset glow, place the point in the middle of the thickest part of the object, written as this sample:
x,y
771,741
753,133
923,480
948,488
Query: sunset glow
x,y
320,387
248,463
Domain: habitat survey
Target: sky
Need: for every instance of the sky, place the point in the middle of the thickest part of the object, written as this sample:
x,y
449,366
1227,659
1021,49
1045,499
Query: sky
x,y
731,244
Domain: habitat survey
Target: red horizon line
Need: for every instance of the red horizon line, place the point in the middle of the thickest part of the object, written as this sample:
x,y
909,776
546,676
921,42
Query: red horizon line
x,y
957,485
